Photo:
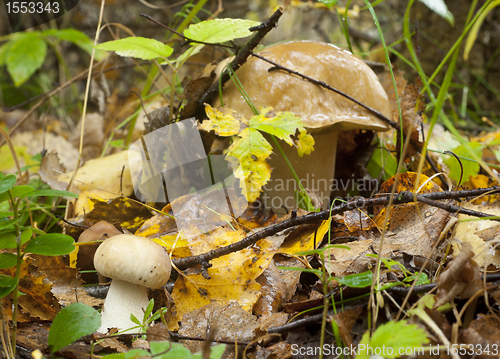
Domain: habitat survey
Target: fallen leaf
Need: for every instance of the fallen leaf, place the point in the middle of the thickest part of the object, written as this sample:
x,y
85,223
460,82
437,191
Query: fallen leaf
x,y
461,278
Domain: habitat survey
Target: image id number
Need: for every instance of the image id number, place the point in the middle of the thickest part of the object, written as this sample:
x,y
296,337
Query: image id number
x,y
32,7
471,349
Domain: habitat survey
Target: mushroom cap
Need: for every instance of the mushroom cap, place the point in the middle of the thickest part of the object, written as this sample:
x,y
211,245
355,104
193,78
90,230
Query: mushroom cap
x,y
318,107
133,259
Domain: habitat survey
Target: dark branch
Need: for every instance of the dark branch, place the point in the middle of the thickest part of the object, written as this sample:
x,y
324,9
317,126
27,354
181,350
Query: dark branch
x,y
400,198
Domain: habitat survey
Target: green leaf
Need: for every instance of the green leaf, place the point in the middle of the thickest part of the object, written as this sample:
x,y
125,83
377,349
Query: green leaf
x,y
51,244
7,223
279,124
169,350
7,183
471,167
8,240
148,310
139,47
134,319
7,285
72,323
471,38
7,260
358,280
382,160
439,7
131,354
25,56
17,191
216,352
389,338
4,50
328,3
52,192
76,37
220,30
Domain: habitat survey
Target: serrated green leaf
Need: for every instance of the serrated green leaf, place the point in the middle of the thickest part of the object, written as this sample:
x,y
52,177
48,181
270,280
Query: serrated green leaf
x,y
169,350
223,121
358,280
305,143
7,260
251,149
25,56
51,244
7,284
220,30
7,183
280,124
72,323
139,47
439,7
392,336
471,167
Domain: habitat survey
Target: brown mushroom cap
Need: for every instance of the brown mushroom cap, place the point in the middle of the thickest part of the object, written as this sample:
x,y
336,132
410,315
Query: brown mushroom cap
x,y
318,107
133,259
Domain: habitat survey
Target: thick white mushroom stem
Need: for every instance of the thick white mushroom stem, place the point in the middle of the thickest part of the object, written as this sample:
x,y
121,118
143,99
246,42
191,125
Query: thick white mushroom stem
x,y
123,299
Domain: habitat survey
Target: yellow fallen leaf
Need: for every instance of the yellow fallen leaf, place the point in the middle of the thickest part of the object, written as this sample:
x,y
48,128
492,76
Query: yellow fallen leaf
x,y
306,241
223,121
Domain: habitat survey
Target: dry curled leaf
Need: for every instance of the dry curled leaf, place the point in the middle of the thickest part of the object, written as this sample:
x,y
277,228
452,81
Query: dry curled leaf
x,y
461,278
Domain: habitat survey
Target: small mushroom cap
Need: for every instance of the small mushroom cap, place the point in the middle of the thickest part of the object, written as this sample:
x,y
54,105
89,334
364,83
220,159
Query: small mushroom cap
x,y
133,259
318,107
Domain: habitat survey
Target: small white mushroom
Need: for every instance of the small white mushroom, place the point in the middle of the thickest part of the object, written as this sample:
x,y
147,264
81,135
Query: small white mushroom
x,y
134,264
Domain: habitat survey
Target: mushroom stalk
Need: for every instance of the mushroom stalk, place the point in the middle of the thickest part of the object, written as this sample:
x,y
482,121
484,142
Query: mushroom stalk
x,y
123,299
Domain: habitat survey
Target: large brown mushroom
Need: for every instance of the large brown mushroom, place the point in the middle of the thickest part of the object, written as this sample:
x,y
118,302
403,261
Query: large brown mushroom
x,y
324,112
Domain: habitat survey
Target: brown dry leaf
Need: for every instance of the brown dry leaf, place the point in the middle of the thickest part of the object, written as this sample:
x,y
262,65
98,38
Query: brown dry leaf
x,y
66,284
38,301
482,181
345,321
342,261
412,230
357,219
289,277
412,107
50,169
484,333
130,214
485,253
460,278
272,291
37,141
232,279
93,136
386,81
231,321
303,238
102,178
257,217
33,335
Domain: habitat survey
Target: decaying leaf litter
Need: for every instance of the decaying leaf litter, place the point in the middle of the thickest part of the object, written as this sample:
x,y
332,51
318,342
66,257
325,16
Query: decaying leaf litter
x,y
282,269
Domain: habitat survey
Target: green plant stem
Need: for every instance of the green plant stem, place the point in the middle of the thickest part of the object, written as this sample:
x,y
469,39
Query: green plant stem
x,y
325,306
302,189
15,293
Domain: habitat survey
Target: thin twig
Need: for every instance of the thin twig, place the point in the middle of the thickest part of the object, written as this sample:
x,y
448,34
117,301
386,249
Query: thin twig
x,y
239,60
